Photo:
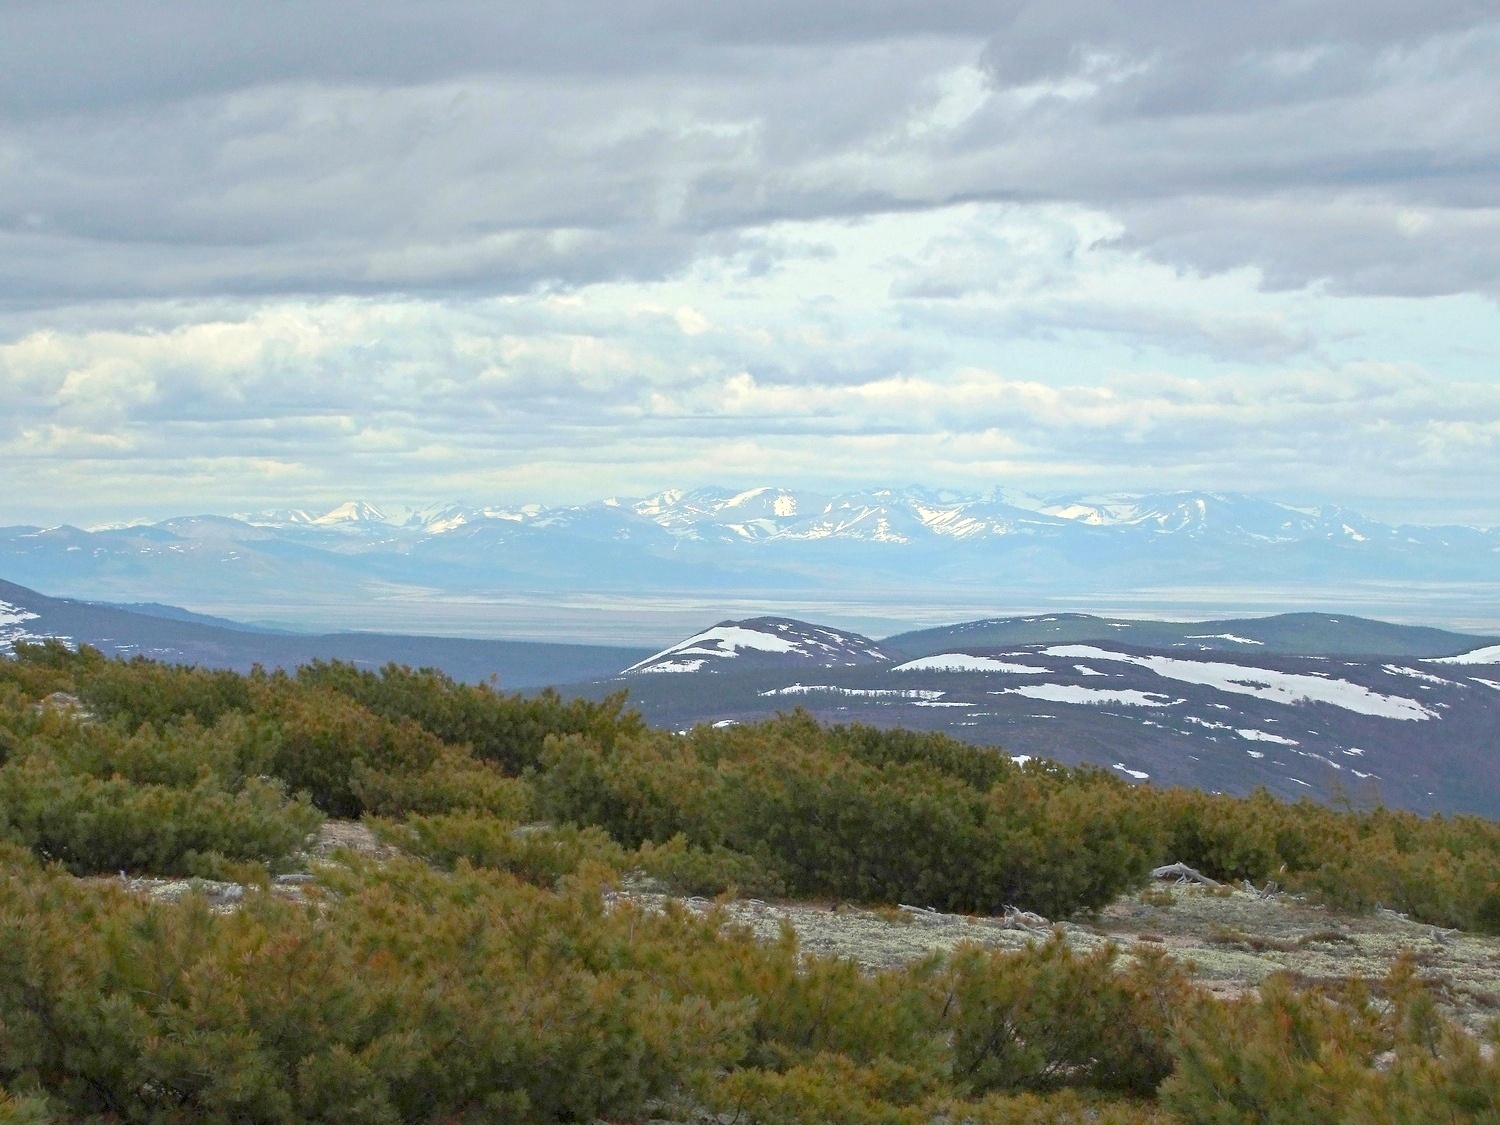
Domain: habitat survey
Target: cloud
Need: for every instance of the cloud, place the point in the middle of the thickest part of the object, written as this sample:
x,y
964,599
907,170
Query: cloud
x,y
332,148
1113,373
554,252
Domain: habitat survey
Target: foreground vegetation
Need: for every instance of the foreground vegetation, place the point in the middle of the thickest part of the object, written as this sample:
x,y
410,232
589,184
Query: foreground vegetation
x,y
482,973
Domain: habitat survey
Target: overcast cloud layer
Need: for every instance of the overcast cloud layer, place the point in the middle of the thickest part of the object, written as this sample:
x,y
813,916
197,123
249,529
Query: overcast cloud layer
x,y
290,252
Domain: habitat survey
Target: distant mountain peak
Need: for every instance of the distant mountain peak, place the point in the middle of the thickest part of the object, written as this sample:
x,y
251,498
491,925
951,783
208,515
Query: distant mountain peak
x,y
351,511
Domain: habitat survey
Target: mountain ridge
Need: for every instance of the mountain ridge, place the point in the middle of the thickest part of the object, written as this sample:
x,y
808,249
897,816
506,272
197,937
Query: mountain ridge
x,y
850,559
1405,712
180,636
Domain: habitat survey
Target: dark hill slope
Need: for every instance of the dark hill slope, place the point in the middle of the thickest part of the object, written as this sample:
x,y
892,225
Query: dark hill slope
x,y
187,639
1291,634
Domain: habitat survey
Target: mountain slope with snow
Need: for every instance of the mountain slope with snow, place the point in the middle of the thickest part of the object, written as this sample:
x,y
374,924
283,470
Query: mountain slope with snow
x,y
1417,732
760,642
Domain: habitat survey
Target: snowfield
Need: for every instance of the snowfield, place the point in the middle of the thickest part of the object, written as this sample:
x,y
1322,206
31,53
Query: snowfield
x,y
1490,655
1072,693
12,618
728,639
963,662
1263,683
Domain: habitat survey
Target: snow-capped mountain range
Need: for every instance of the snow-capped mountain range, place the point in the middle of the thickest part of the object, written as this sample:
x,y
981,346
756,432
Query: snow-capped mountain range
x,y
848,559
882,516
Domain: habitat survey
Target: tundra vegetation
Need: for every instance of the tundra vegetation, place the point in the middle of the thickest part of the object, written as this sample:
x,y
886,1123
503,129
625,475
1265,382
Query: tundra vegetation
x,y
482,971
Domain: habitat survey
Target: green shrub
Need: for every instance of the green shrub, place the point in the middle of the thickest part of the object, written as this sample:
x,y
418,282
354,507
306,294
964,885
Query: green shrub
x,y
1046,1018
235,748
143,691
37,669
327,744
686,870
454,782
1292,1054
829,1089
407,996
538,854
879,827
24,1110
1438,869
91,825
508,730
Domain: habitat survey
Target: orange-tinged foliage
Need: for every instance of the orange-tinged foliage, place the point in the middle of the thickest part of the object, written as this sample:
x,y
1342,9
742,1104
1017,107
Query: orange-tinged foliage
x,y
485,976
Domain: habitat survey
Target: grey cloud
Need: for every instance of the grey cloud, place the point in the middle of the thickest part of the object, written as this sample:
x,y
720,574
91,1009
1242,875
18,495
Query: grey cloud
x,y
203,149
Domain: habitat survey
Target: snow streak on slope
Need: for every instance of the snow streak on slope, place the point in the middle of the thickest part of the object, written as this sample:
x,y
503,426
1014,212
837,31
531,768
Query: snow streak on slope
x,y
963,662
1072,693
1264,683
857,693
1490,655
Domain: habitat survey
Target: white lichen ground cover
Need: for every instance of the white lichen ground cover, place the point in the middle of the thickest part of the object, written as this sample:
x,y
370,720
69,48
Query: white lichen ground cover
x,y
1231,938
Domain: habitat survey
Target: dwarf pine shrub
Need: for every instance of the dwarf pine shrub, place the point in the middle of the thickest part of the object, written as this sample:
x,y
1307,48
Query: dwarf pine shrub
x,y
508,730
897,827
1292,1054
1048,1018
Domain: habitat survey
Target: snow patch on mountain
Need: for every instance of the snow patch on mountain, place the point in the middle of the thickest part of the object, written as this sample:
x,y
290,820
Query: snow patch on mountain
x,y
1072,693
1414,674
858,693
763,640
1264,683
963,662
1253,735
12,621
1488,655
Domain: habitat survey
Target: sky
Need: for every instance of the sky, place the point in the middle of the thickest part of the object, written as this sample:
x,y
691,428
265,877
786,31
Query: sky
x,y
293,252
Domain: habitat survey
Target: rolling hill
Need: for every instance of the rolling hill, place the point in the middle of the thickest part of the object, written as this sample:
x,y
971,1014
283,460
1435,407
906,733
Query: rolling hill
x,y
178,636
1406,715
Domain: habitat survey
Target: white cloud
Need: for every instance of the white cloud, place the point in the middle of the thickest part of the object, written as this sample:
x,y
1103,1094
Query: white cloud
x,y
1063,362
483,248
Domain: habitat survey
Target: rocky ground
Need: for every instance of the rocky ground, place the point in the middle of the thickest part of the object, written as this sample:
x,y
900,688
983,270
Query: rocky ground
x,y
1232,938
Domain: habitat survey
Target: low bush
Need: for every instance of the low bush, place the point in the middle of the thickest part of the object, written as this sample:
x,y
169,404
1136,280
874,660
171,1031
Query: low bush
x,y
899,826
1048,1018
410,996
686,870
1290,1054
508,730
1438,869
91,825
539,854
